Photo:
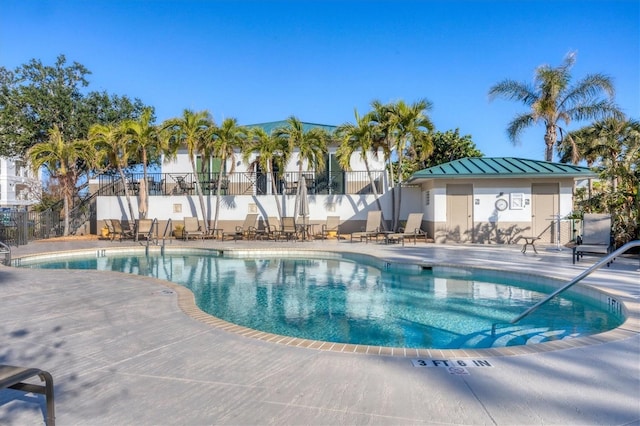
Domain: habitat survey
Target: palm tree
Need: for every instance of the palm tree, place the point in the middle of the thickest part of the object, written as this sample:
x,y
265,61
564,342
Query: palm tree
x,y
411,126
311,145
552,100
359,137
111,142
613,146
271,150
146,141
614,142
61,159
224,139
381,118
402,125
191,130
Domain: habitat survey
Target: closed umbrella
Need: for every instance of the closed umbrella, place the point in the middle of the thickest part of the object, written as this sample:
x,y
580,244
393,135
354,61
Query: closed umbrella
x,y
303,204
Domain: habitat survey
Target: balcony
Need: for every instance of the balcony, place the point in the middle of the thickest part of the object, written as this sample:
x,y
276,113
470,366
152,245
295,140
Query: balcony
x,y
242,183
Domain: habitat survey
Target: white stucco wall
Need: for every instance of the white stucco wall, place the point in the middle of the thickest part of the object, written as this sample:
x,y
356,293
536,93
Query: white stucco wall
x,y
235,208
485,195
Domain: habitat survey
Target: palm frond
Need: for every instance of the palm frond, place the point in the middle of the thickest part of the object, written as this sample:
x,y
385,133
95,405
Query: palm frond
x,y
517,126
513,90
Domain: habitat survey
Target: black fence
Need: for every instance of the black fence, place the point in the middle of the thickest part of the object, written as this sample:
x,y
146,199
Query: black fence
x,y
20,227
242,183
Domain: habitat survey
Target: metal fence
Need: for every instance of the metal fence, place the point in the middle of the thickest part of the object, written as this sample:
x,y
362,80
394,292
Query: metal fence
x,y
242,183
20,227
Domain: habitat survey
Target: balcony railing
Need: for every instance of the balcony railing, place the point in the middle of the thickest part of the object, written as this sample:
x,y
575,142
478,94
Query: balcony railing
x,y
242,183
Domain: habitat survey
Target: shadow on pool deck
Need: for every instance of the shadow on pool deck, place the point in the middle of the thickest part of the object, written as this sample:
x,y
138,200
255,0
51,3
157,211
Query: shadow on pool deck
x,y
122,352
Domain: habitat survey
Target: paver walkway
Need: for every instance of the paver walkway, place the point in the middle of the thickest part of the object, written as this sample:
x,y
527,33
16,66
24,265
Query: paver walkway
x,y
122,352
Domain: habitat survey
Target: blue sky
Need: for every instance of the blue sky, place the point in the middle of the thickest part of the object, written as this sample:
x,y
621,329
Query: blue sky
x,y
261,61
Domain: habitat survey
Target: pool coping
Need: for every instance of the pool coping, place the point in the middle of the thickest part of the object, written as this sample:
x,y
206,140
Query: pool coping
x,y
187,304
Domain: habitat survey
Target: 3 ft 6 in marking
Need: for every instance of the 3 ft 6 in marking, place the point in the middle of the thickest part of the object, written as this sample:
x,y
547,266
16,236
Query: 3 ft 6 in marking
x,y
447,363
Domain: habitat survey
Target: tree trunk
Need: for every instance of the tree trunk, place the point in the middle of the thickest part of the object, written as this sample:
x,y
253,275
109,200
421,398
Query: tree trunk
x,y
66,205
218,188
127,196
274,190
200,195
295,205
375,192
549,139
143,215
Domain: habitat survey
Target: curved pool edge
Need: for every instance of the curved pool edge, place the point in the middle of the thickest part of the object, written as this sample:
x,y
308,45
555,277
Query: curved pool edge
x,y
186,303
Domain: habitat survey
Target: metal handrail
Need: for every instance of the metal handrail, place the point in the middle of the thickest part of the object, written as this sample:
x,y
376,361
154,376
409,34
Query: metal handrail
x,y
6,251
168,227
607,259
154,231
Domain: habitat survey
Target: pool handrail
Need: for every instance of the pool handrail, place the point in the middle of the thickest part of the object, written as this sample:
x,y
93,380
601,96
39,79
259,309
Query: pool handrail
x,y
6,251
167,227
604,261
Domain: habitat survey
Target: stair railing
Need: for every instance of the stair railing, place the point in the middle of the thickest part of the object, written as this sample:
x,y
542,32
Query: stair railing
x,y
605,260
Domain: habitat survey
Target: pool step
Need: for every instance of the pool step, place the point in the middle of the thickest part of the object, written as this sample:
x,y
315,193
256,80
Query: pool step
x,y
512,336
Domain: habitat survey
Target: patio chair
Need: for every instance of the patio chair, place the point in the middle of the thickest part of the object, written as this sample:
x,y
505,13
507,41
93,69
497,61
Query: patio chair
x,y
144,229
271,228
596,236
412,229
14,378
289,230
120,231
372,228
247,230
331,227
192,228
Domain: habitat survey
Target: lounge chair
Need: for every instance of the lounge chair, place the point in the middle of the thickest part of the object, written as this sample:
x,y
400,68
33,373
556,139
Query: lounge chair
x,y
14,378
192,228
120,231
247,230
331,227
144,230
412,229
596,236
289,230
372,228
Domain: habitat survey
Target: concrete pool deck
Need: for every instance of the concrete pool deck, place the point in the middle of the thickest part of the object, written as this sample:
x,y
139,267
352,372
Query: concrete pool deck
x,y
122,352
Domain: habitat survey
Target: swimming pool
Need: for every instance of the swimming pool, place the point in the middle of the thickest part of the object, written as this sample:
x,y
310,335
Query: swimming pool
x,y
350,299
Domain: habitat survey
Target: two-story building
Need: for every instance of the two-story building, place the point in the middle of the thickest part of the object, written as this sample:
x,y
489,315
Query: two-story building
x,y
19,187
246,188
476,200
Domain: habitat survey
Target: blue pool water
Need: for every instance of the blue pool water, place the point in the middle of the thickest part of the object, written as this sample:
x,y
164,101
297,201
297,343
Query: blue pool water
x,y
344,301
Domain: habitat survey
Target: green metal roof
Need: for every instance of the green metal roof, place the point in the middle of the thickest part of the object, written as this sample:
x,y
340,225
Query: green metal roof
x,y
271,126
501,167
